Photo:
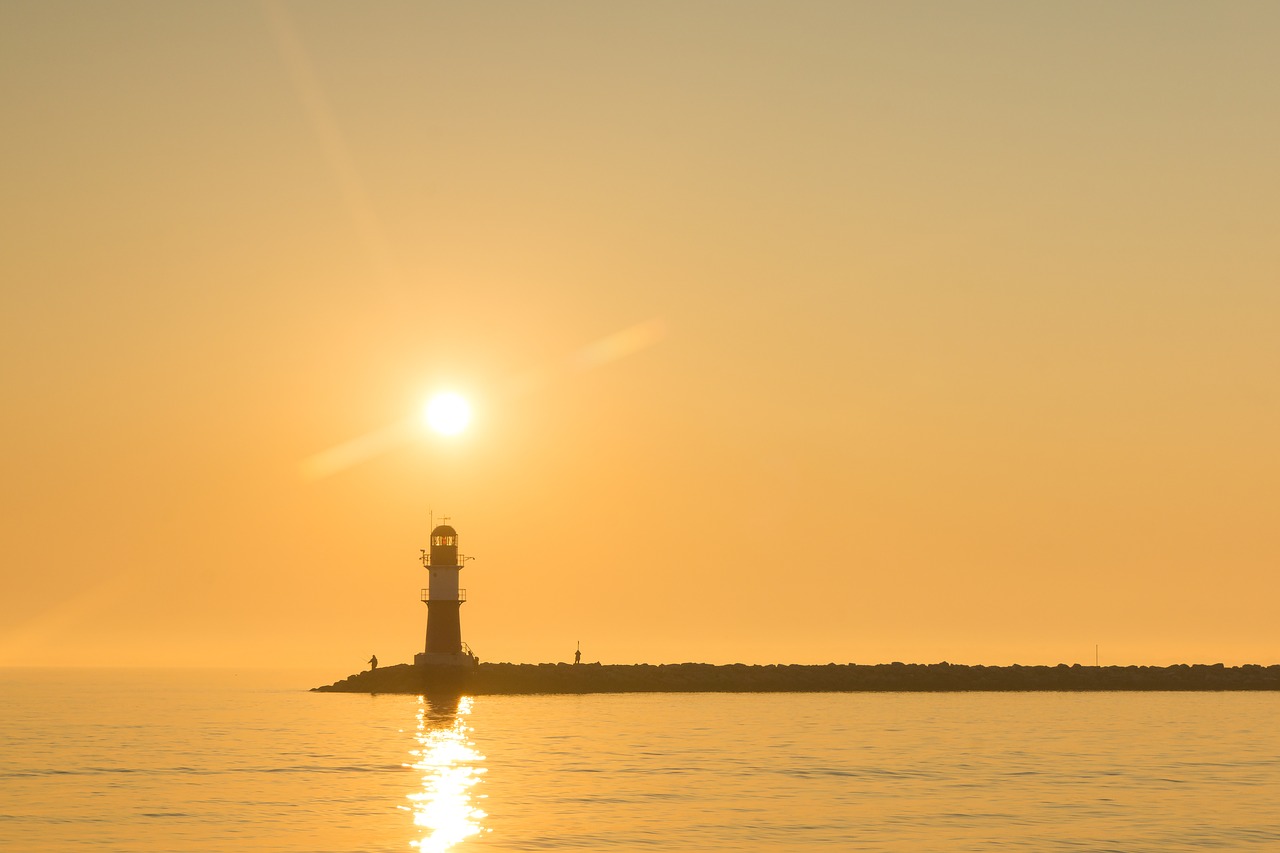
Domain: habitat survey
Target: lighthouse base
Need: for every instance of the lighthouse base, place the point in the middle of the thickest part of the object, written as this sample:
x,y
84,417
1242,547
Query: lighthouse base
x,y
460,659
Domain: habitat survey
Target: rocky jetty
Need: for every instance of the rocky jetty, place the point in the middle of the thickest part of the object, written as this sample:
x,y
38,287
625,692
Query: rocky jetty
x,y
510,678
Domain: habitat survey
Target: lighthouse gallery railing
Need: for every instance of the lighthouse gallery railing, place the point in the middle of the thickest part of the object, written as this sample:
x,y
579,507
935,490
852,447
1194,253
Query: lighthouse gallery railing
x,y
462,596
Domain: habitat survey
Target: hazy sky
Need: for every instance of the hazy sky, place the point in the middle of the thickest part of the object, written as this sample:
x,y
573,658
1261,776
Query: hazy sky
x,y
940,331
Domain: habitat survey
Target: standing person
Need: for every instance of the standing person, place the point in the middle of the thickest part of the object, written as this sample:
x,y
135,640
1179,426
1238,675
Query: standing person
x,y
373,662
577,655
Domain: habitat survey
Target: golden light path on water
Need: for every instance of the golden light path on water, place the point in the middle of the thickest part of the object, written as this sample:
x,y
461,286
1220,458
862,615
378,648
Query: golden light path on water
x,y
450,768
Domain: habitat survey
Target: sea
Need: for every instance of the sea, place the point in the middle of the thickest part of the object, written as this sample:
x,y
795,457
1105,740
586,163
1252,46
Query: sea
x,y
165,760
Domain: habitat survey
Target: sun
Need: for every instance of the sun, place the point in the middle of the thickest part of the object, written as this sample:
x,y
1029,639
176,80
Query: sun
x,y
447,413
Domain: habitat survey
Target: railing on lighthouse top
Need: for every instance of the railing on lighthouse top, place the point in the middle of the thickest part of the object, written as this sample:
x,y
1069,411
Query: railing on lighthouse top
x,y
426,596
426,559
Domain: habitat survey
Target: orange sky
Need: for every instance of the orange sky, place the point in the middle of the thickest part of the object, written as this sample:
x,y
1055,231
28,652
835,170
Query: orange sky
x,y
942,331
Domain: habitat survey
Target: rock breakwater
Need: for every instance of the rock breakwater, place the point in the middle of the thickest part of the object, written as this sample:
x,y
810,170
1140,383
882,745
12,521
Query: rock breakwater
x,y
510,678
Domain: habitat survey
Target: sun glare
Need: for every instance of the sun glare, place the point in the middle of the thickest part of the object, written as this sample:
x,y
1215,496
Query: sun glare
x,y
447,413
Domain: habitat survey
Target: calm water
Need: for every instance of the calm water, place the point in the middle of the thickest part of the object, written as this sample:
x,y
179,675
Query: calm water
x,y
145,761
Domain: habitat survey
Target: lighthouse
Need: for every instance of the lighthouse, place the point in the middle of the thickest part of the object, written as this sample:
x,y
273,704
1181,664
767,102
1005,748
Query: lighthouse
x,y
444,599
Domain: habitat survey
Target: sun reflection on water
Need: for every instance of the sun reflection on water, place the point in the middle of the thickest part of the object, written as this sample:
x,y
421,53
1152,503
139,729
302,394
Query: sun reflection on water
x,y
450,769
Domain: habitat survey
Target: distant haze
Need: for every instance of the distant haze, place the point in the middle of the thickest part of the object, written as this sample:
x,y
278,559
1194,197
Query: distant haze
x,y
792,332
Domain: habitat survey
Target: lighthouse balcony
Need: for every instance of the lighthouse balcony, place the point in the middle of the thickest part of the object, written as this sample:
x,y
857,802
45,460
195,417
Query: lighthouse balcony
x,y
458,562
460,597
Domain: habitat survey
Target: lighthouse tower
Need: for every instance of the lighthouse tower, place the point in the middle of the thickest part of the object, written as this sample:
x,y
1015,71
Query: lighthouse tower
x,y
444,601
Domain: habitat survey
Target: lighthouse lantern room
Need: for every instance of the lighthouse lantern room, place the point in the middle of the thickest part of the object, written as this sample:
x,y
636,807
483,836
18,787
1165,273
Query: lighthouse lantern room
x,y
444,599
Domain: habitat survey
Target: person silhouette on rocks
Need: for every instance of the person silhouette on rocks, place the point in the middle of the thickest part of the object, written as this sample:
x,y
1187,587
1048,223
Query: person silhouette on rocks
x,y
373,662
